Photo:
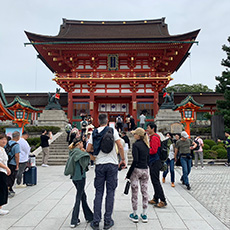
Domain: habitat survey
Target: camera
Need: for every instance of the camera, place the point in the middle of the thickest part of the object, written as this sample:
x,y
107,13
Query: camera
x,y
121,166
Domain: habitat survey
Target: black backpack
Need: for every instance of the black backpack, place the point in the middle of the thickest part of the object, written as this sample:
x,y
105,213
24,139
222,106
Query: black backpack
x,y
119,120
8,149
163,154
198,145
107,141
163,150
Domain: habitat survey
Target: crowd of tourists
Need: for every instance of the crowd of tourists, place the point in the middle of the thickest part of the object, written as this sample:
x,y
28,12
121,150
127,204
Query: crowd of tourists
x,y
14,156
107,149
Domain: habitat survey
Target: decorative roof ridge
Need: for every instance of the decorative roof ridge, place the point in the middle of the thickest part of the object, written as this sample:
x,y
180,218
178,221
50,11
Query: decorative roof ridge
x,y
3,99
22,102
188,99
110,22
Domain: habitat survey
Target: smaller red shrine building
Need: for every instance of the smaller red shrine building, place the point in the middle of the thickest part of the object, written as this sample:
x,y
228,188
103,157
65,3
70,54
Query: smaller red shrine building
x,y
113,67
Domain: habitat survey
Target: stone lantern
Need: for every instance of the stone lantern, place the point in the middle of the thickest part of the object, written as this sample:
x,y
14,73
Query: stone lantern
x,y
188,108
22,109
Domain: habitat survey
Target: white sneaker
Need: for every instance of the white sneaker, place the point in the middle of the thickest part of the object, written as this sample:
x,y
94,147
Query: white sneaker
x,y
20,186
196,168
3,212
203,167
44,165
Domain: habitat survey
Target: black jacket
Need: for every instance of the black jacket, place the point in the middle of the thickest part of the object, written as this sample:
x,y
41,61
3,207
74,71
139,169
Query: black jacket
x,y
140,152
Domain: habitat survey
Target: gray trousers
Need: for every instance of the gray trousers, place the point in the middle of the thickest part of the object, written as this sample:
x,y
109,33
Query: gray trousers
x,y
45,155
21,170
196,158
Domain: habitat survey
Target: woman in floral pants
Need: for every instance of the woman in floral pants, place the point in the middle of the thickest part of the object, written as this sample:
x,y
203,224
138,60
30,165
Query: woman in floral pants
x,y
138,173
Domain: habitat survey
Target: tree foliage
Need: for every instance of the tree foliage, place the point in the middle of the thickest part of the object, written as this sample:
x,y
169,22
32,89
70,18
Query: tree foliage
x,y
223,106
183,88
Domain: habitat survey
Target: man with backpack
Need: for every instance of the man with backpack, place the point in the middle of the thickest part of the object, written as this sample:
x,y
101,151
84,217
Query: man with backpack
x,y
119,123
199,152
102,142
12,149
155,166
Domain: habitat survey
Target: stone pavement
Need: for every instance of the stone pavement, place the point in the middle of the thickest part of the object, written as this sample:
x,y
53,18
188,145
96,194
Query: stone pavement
x,y
48,205
211,187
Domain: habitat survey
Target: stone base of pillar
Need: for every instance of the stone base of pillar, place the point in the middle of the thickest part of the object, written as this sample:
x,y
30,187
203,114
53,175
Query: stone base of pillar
x,y
53,118
168,120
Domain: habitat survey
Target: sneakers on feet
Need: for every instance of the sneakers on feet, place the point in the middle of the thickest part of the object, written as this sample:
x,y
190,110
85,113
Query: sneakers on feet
x,y
172,184
181,179
188,187
227,164
203,167
20,186
153,201
195,167
45,165
94,225
161,204
108,224
75,225
163,180
133,217
11,194
3,212
144,218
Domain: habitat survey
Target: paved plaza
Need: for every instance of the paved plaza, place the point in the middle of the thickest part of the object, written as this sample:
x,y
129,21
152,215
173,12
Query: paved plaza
x,y
48,205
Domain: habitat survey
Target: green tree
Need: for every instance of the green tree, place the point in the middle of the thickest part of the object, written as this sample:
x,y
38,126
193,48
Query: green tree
x,y
183,88
223,106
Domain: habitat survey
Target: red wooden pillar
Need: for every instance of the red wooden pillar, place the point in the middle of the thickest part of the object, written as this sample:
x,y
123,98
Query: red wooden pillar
x,y
134,106
92,106
155,103
70,106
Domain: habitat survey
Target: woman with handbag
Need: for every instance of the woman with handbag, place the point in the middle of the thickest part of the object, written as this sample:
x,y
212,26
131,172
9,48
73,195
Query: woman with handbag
x,y
76,167
4,172
138,173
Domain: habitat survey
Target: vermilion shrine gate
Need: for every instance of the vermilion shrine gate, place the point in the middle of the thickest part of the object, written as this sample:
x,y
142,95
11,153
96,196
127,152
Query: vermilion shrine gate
x,y
113,67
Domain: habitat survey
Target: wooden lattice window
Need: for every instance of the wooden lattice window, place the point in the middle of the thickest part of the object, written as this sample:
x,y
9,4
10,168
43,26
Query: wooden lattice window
x,y
112,62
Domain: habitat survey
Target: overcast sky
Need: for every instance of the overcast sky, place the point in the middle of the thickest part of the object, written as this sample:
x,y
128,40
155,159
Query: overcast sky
x,y
21,71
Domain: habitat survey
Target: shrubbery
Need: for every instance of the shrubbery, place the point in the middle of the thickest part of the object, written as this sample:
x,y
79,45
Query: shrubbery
x,y
215,147
209,142
206,147
200,131
212,150
210,154
34,143
39,129
222,153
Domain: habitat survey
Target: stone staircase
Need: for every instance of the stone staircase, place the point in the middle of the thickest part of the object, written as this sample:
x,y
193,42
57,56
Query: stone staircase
x,y
58,152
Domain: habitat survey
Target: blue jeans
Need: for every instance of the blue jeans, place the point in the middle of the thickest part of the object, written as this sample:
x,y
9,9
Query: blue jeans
x,y
81,197
171,164
105,174
186,164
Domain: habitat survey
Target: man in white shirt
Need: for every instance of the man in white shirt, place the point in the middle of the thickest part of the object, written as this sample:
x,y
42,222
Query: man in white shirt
x,y
23,158
142,120
105,173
